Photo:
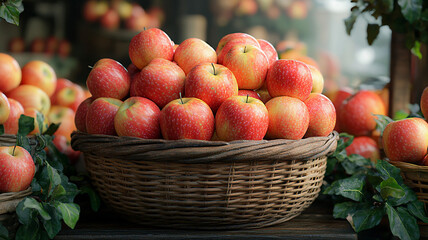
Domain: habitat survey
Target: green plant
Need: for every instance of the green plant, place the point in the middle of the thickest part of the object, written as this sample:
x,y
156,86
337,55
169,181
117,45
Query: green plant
x,y
364,193
10,10
407,17
52,200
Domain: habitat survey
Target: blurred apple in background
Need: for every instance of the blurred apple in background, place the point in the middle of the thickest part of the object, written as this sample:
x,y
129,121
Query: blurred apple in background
x,y
64,146
16,169
110,20
93,10
12,122
137,22
424,103
250,93
60,84
298,10
187,118
212,83
32,112
100,116
123,8
288,118
51,45
317,80
37,45
64,48
70,97
161,81
322,115
364,146
16,45
4,108
40,74
138,117
241,118
337,98
31,97
247,7
10,70
194,51
65,116
81,112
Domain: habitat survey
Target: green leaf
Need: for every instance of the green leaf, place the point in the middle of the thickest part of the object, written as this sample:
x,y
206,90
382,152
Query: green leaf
x,y
24,142
17,4
25,215
401,223
9,13
70,213
381,122
378,198
390,188
424,15
52,129
58,192
367,218
411,9
399,115
350,21
70,189
387,5
40,121
25,125
416,49
331,164
32,203
52,226
351,188
386,170
54,176
344,209
4,234
94,198
356,163
416,208
1,129
30,231
409,196
372,32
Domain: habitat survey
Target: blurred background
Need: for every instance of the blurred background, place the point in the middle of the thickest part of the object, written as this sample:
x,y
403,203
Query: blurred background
x,y
72,35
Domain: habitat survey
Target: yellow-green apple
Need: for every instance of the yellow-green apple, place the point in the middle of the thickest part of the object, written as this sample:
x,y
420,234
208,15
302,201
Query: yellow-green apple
x,y
31,97
37,45
60,84
229,37
138,117
16,45
269,50
241,118
17,169
322,115
110,20
4,108
100,116
290,78
64,116
32,112
250,93
406,140
41,75
337,99
12,122
249,64
194,51
93,10
10,76
123,8
212,83
364,146
64,48
148,45
424,103
317,80
161,81
70,97
108,78
288,118
298,10
51,45
187,118
81,112
233,42
356,113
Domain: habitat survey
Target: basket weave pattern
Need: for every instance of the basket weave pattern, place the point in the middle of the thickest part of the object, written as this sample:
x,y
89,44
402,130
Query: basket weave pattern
x,y
8,203
206,185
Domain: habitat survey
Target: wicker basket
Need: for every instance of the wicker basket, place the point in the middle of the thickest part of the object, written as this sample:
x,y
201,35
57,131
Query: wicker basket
x,y
416,177
206,184
8,203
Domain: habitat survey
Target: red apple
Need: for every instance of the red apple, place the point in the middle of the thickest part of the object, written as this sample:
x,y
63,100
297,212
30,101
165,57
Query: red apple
x,y
250,93
132,70
16,45
65,116
31,97
41,75
37,45
406,140
137,22
289,78
110,20
51,45
161,81
10,76
64,48
148,45
337,99
17,169
194,51
187,118
364,146
64,146
241,118
424,103
288,118
4,108
81,112
138,117
224,40
269,50
100,116
94,10
356,113
108,78
70,97
12,123
233,42
424,161
322,115
60,84
247,7
212,83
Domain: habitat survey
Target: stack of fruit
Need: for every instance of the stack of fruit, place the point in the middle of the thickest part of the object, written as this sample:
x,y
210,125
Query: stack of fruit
x,y
195,92
35,89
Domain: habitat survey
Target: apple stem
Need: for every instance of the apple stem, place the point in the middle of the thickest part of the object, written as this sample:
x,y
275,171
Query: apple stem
x,y
90,67
13,152
246,101
245,48
181,99
212,64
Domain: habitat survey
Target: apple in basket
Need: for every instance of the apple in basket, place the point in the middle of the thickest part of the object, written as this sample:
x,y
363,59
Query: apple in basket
x,y
322,115
16,169
100,116
406,140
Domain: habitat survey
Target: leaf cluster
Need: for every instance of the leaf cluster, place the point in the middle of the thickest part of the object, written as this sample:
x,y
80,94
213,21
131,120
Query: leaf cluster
x,y
10,10
407,17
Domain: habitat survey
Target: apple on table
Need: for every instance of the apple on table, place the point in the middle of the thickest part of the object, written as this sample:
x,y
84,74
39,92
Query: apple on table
x,y
11,75
17,169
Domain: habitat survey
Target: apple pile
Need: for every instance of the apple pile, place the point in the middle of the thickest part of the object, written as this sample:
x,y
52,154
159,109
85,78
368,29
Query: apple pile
x,y
240,91
131,15
36,89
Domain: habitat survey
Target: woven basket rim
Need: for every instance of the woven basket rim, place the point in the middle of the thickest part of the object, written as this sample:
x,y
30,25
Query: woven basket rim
x,y
409,166
200,151
15,195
